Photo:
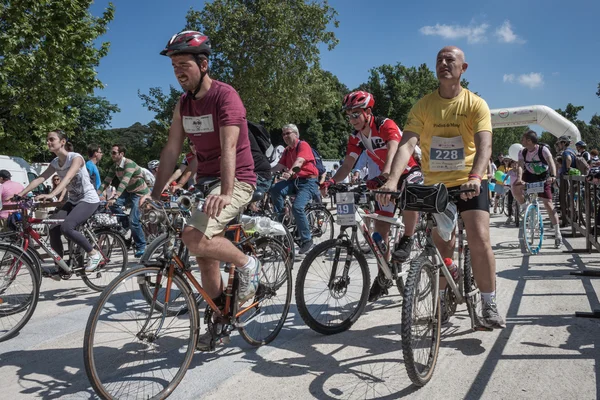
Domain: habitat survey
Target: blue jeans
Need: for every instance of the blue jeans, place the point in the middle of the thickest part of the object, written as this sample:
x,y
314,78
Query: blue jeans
x,y
305,190
133,200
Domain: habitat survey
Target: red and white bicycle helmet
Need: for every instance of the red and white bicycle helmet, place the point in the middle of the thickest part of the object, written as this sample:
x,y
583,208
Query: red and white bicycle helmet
x,y
358,99
190,42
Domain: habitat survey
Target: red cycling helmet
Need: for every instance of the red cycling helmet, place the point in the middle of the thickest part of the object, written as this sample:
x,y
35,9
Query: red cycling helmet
x,y
358,99
190,42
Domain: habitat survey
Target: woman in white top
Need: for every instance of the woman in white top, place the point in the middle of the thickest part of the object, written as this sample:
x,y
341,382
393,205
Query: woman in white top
x,y
83,200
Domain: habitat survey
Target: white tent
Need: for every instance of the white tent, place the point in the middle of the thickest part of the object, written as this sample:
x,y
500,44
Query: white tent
x,y
543,116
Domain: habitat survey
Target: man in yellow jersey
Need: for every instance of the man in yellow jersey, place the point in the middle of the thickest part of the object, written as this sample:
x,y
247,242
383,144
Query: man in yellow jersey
x,y
455,131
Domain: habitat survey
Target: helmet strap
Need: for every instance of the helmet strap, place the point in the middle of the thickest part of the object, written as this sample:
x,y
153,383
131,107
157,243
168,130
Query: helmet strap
x,y
199,86
367,119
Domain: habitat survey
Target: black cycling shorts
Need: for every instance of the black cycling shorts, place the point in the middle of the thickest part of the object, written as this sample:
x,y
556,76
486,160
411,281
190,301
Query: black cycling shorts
x,y
481,202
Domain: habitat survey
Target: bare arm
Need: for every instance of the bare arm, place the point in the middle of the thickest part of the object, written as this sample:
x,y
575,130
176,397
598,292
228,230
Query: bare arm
x,y
392,146
405,150
34,183
298,163
277,168
229,138
483,152
175,175
170,154
344,169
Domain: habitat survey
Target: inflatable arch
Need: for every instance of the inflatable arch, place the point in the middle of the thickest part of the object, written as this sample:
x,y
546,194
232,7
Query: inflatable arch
x,y
543,116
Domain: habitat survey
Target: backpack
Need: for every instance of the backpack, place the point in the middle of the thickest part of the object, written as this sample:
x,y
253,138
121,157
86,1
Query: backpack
x,y
540,154
318,159
263,138
581,164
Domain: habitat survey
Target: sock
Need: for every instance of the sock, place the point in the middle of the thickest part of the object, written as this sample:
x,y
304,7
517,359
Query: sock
x,y
557,230
488,297
249,263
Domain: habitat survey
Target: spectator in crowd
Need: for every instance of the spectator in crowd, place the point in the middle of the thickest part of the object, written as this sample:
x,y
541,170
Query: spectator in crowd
x,y
95,155
55,182
8,189
594,159
582,151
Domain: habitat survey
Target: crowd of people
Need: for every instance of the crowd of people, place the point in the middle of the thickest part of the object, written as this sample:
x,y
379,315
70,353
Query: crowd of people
x,y
446,139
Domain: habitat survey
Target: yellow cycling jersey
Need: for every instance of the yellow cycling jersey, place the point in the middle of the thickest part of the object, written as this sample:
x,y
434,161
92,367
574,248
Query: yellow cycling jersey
x,y
447,128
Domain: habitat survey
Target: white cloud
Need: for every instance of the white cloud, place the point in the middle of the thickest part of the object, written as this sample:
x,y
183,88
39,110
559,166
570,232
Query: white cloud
x,y
473,33
532,80
505,34
510,78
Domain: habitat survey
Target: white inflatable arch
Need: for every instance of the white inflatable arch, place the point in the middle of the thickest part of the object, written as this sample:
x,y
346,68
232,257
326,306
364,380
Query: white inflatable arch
x,y
543,116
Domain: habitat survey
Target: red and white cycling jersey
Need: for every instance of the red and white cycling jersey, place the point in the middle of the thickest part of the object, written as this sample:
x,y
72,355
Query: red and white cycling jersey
x,y
383,130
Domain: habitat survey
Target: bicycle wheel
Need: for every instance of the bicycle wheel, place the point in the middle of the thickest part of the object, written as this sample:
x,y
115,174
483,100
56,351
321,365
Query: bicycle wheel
x,y
262,319
19,290
501,204
130,349
471,292
154,252
288,245
320,221
114,250
505,201
332,286
421,322
419,243
533,229
361,242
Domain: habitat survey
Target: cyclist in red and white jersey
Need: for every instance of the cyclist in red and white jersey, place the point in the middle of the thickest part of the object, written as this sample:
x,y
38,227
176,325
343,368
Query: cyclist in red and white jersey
x,y
379,138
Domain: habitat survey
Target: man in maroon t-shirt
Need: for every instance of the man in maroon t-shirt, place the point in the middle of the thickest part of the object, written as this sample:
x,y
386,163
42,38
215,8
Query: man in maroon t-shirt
x,y
303,184
212,115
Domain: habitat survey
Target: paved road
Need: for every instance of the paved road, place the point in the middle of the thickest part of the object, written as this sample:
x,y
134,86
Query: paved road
x,y
545,350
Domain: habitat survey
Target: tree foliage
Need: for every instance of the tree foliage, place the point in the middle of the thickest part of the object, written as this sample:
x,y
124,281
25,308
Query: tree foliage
x,y
48,55
268,50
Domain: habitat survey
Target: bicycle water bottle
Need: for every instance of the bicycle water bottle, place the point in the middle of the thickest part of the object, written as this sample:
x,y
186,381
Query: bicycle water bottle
x,y
452,268
380,243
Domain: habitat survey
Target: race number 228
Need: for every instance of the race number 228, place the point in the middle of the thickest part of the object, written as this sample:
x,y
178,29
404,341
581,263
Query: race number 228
x,y
446,154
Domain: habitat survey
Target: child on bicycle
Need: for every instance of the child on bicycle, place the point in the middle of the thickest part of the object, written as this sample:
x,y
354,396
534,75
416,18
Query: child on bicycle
x,y
82,200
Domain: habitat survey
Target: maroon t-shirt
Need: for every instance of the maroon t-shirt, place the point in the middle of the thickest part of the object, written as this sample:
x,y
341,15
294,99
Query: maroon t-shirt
x,y
202,120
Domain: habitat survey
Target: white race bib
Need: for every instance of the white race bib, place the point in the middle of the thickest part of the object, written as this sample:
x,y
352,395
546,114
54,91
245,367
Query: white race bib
x,y
447,154
198,125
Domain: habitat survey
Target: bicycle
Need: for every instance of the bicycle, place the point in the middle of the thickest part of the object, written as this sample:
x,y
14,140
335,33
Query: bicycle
x,y
19,290
421,334
532,226
108,242
157,335
326,286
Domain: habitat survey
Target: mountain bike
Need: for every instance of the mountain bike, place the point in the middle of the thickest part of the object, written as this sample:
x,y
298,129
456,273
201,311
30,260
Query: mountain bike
x,y
333,281
141,334
421,314
532,225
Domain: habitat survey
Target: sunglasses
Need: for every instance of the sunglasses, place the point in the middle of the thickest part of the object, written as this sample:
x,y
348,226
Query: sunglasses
x,y
355,115
286,133
114,153
56,179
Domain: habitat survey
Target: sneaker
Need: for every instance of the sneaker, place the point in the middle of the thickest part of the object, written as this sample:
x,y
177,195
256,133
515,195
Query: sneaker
x,y
204,342
495,210
491,318
444,310
403,248
379,289
509,220
306,247
139,253
558,242
93,262
248,281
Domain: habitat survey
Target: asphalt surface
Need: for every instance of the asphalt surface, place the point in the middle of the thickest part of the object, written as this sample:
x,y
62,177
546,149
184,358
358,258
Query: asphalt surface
x,y
545,351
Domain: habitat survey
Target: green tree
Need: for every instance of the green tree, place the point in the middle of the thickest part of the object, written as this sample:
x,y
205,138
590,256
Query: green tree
x,y
503,138
268,50
48,55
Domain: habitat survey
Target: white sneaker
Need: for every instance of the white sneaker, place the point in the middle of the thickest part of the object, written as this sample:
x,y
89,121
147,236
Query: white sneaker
x,y
93,262
249,278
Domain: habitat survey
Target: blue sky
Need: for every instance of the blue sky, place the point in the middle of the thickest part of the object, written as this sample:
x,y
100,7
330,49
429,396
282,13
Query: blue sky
x,y
519,52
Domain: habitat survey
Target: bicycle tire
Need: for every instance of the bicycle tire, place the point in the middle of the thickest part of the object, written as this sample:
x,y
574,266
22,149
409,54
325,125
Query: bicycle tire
x,y
532,222
153,252
506,208
320,221
122,376
501,204
262,323
471,291
16,309
105,273
412,295
33,256
311,315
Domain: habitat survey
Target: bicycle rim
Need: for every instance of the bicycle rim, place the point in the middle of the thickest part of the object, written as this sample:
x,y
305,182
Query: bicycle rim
x,y
533,230
421,322
330,300
114,250
263,321
128,354
19,291
321,225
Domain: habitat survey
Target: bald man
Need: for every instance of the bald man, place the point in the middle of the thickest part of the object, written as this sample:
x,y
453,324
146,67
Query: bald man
x,y
455,131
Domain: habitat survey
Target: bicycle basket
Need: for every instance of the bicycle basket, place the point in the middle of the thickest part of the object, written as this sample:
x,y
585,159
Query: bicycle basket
x,y
432,199
104,219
